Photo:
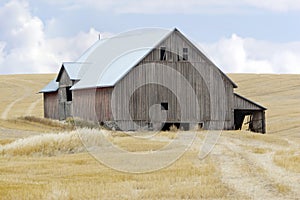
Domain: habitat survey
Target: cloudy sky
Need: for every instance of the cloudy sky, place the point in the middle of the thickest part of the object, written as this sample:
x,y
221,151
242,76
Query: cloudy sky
x,y
251,36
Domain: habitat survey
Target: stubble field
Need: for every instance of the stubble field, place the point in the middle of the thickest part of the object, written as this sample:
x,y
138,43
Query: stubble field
x,y
42,159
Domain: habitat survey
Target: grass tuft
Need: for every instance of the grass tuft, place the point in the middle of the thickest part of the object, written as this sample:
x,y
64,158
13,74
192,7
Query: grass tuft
x,y
288,159
283,189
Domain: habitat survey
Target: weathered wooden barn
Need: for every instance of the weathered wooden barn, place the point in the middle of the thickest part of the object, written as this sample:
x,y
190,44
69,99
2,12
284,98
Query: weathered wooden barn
x,y
144,78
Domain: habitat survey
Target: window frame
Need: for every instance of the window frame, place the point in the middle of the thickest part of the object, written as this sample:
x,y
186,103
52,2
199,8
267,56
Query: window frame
x,y
185,53
162,53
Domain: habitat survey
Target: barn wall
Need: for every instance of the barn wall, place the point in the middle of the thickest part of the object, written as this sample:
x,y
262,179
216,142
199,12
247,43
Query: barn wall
x,y
215,110
259,124
240,103
51,105
92,104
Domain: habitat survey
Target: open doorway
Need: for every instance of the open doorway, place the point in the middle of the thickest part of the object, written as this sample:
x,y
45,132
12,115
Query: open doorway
x,y
251,120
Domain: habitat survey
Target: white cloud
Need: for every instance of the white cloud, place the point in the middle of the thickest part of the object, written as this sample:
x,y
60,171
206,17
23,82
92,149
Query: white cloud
x,y
24,47
179,6
247,55
275,5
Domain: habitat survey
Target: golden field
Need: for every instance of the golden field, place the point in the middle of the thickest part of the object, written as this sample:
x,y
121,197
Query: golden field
x,y
43,159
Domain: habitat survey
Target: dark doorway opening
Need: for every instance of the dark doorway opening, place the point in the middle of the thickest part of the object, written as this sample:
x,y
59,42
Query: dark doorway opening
x,y
252,120
69,94
182,126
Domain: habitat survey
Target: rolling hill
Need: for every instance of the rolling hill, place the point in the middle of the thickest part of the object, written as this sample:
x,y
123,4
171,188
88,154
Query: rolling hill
x,y
279,93
42,159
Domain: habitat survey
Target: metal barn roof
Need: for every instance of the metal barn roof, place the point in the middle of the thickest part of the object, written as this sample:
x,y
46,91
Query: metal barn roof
x,y
51,87
108,60
111,59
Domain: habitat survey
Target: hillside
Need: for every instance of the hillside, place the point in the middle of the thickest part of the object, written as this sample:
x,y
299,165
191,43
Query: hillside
x,y
43,159
19,95
279,93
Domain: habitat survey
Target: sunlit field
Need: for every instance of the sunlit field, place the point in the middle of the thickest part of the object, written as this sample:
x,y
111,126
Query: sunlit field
x,y
45,159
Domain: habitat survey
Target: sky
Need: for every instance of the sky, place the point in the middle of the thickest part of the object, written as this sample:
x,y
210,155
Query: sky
x,y
239,36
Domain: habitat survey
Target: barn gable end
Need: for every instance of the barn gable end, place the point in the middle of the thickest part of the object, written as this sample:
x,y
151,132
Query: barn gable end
x,y
65,94
195,69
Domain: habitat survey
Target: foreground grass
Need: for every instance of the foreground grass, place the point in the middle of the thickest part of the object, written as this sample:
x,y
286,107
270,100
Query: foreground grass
x,y
79,176
57,166
288,159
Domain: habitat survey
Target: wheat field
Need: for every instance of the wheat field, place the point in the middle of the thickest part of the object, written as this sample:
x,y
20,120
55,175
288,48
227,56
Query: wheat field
x,y
43,159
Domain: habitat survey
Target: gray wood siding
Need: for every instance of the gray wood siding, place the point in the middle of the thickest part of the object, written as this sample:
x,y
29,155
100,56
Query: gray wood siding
x,y
242,104
64,79
92,104
51,105
103,104
213,90
84,104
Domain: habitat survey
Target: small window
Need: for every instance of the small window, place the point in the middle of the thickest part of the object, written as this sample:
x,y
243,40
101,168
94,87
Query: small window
x,y
69,94
164,106
185,54
163,53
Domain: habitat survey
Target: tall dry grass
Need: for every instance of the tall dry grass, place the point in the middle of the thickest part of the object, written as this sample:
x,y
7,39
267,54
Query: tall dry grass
x,y
52,144
56,166
288,159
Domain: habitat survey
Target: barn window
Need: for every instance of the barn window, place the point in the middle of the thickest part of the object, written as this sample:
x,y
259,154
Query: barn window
x,y
69,94
164,106
163,53
185,54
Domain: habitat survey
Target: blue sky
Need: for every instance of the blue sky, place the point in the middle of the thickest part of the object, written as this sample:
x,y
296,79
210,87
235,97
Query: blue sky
x,y
245,36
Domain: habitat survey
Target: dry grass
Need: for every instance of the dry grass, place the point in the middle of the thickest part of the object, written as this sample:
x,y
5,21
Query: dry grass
x,y
288,159
283,189
72,181
79,176
31,123
137,145
44,145
267,138
56,166
280,94
19,94
257,150
6,141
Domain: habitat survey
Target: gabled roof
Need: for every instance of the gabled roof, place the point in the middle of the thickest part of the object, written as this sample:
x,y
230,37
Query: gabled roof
x,y
51,87
75,70
111,59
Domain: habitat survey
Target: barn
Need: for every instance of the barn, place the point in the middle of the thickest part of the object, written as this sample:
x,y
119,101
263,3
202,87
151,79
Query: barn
x,y
149,79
